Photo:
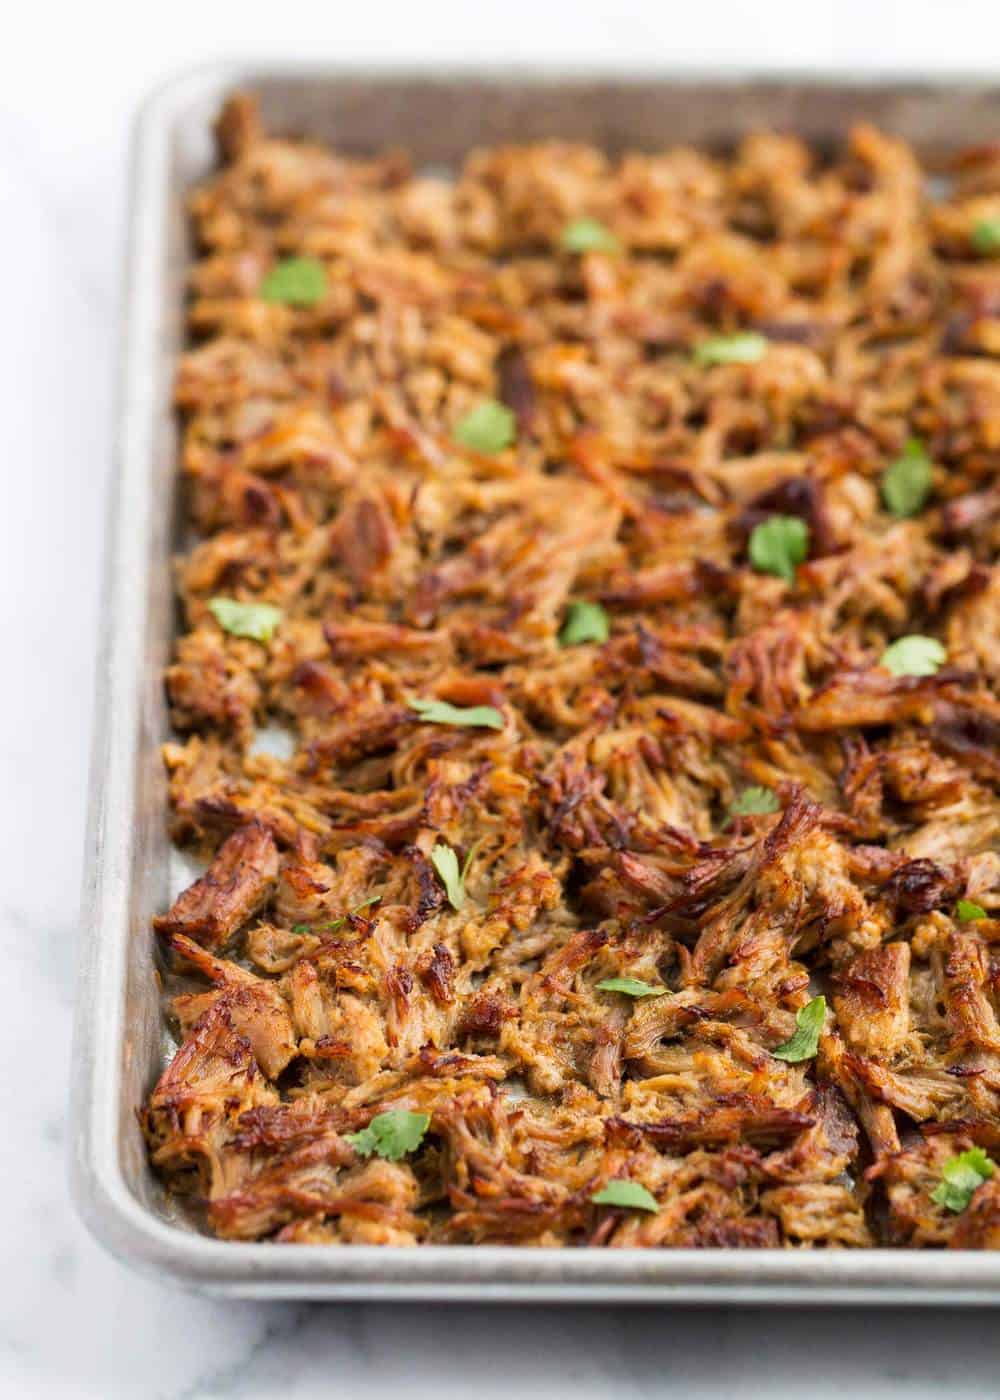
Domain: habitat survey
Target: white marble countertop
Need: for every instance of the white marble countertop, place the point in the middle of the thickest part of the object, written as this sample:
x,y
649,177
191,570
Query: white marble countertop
x,y
73,1323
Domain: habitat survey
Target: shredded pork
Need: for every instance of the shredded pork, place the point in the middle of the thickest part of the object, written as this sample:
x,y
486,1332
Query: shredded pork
x,y
596,825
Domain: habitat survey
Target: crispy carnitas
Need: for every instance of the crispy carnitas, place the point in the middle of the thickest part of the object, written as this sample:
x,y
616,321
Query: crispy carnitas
x,y
613,544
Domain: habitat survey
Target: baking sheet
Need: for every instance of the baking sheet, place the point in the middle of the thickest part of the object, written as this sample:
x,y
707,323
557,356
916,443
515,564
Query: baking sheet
x,y
120,1040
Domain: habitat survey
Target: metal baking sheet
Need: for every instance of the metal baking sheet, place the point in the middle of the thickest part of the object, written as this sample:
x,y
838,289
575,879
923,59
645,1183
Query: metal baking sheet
x,y
120,1042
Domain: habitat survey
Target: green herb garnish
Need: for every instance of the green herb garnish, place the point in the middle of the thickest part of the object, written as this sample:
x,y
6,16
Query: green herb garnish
x,y
488,428
967,911
986,236
960,1177
440,712
336,923
391,1135
805,1042
295,282
630,1195
258,621
586,235
445,862
585,622
914,656
906,483
631,986
743,349
778,544
754,800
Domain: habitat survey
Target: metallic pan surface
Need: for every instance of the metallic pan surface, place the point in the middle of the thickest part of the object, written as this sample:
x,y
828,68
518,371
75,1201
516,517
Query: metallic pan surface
x,y
120,1043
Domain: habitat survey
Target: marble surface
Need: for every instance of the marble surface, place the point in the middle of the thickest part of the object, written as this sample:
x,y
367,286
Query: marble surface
x,y
73,1323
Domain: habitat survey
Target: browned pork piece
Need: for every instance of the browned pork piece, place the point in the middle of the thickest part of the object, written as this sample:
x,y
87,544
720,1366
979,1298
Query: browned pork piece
x,y
587,700
236,884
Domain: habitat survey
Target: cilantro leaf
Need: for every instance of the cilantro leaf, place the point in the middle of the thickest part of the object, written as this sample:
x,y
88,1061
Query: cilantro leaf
x,y
631,986
440,712
742,349
365,904
258,621
960,1177
967,911
586,235
753,800
906,482
805,1042
778,544
913,656
295,282
391,1135
488,428
334,924
445,862
585,622
986,236
630,1195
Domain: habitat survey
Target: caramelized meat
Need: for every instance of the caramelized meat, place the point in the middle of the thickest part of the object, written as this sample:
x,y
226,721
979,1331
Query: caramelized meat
x,y
238,882
462,464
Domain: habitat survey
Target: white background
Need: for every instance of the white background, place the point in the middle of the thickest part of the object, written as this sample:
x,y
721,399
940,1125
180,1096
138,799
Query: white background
x,y
72,1322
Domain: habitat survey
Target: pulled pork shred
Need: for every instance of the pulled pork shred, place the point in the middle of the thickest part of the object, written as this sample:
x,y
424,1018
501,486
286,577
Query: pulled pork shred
x,y
325,479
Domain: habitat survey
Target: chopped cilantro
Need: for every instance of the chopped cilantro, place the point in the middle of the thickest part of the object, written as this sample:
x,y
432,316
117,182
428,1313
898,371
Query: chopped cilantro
x,y
630,1195
631,986
913,656
967,911
258,621
445,862
391,1135
487,428
754,800
961,1176
906,483
778,544
296,282
585,622
742,349
440,712
986,236
334,924
805,1041
586,235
